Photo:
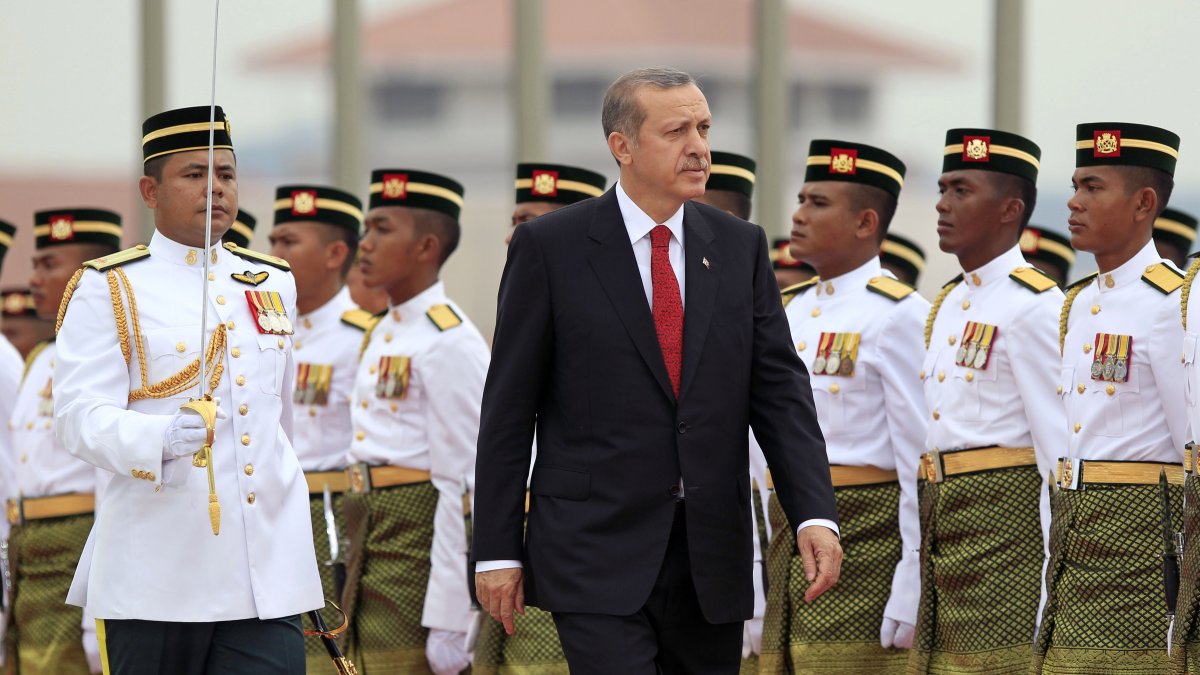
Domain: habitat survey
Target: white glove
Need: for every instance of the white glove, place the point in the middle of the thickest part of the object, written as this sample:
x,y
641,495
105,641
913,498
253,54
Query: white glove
x,y
446,651
91,649
752,637
182,438
896,634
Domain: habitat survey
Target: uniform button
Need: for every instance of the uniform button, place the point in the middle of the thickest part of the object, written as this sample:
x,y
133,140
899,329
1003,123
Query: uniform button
x,y
279,343
312,412
921,375
816,312
295,345
212,277
1149,269
229,324
1087,348
969,377
250,498
241,380
394,407
387,337
235,352
966,304
150,476
180,347
682,427
307,323
29,426
359,435
245,439
1078,426
942,376
249,469
371,370
243,409
936,415
834,388
24,458
1095,309
135,473
976,280
1081,388
1060,390
800,347
951,340
363,403
1110,390
220,299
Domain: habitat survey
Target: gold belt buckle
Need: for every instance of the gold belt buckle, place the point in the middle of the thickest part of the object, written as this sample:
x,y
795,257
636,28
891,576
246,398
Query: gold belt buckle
x,y
359,477
1189,457
13,512
1070,473
932,463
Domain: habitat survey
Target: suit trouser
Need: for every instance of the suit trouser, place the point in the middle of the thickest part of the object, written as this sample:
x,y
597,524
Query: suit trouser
x,y
244,647
668,635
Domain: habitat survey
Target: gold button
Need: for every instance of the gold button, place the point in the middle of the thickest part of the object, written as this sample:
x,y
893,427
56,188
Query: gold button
x,y
1078,426
135,473
24,458
1149,269
279,343
387,337
245,439
921,375
975,279
307,323
936,415
180,347
1060,390
312,412
1095,309
212,277
951,340
29,426
970,377
800,347
1108,281
371,370
364,404
1087,348
942,376
816,312
150,476
1081,388
395,407
966,304
243,409
834,388
358,435
1110,390
229,324
295,345
250,498
241,380
220,299
249,469
235,352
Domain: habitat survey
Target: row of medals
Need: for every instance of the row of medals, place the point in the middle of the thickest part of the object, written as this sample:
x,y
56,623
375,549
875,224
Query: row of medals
x,y
1111,369
971,355
274,321
834,364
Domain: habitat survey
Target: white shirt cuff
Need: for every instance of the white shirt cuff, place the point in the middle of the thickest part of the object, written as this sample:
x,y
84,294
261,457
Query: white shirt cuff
x,y
492,565
822,522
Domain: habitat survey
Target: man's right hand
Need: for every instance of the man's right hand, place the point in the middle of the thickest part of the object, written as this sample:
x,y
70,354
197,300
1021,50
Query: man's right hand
x,y
500,592
185,434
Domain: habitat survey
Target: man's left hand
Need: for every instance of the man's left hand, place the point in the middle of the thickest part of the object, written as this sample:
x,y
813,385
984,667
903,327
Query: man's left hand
x,y
822,555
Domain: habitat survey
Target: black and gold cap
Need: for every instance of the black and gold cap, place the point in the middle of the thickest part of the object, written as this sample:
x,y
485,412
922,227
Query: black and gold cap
x,y
241,232
7,232
76,226
904,253
15,302
991,150
781,256
1176,227
557,183
854,163
182,130
1126,144
318,203
416,189
1041,244
731,172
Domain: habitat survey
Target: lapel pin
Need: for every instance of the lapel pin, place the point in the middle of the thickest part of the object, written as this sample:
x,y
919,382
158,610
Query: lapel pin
x,y
706,264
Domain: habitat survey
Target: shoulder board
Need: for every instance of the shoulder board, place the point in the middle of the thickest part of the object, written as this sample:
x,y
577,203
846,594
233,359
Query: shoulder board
x,y
107,262
360,318
444,317
257,257
1033,279
1164,277
890,288
792,291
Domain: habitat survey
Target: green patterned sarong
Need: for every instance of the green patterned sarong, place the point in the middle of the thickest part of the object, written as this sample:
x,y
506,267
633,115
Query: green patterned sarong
x,y
981,569
1106,607
532,649
838,632
44,633
1185,642
387,573
315,656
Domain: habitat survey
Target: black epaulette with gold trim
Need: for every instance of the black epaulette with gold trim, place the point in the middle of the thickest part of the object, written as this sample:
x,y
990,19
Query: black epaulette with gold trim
x,y
892,289
257,257
1033,279
444,317
1163,277
791,292
361,318
107,262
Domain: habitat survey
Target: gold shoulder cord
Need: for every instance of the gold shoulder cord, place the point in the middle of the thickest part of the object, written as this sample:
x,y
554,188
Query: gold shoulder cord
x,y
70,290
366,340
1186,291
933,310
1066,313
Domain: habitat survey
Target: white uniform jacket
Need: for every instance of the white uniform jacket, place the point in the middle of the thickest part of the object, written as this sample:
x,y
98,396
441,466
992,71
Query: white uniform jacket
x,y
326,353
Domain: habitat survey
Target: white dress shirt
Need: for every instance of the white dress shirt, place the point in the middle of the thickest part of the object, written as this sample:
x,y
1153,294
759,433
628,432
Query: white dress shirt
x,y
321,431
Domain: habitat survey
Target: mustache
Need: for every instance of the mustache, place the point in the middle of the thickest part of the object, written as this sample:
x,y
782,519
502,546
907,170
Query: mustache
x,y
693,164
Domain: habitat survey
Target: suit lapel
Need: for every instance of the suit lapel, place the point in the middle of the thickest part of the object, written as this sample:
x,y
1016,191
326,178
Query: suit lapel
x,y
614,265
701,279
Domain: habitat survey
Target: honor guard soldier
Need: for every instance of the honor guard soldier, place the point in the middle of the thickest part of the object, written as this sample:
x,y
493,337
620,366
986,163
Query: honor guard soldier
x,y
994,421
541,188
241,233
1185,635
11,369
1174,233
316,232
19,320
53,508
201,559
730,183
858,331
417,395
903,258
1048,251
1120,480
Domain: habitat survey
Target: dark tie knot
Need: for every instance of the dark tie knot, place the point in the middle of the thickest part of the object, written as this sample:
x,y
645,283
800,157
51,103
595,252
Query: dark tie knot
x,y
660,236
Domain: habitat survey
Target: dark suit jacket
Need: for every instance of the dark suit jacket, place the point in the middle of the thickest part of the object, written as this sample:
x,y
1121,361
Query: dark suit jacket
x,y
576,354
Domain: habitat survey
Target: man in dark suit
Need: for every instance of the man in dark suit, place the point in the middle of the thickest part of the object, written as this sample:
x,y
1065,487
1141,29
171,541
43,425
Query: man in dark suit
x,y
638,530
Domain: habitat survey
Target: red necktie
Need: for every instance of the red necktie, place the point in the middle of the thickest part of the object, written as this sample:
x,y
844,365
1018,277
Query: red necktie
x,y
668,306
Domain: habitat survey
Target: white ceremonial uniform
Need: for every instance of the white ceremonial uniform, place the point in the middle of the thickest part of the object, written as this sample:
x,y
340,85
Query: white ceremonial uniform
x,y
152,554
11,368
1191,345
1011,402
321,432
1144,418
874,417
433,428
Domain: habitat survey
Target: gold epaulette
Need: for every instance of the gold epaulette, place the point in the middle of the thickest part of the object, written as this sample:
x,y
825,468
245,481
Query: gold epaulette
x,y
1033,279
892,289
794,290
257,257
1163,277
33,354
360,319
937,304
1072,291
107,262
444,317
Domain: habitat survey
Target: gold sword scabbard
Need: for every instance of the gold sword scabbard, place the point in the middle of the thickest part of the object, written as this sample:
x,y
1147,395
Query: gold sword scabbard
x,y
206,407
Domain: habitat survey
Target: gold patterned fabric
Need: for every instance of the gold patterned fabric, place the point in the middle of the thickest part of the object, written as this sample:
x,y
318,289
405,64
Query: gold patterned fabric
x,y
387,572
981,568
838,632
315,656
1185,642
532,649
44,633
1105,608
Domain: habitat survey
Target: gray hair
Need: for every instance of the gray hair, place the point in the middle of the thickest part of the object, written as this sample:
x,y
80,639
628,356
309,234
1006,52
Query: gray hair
x,y
621,110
